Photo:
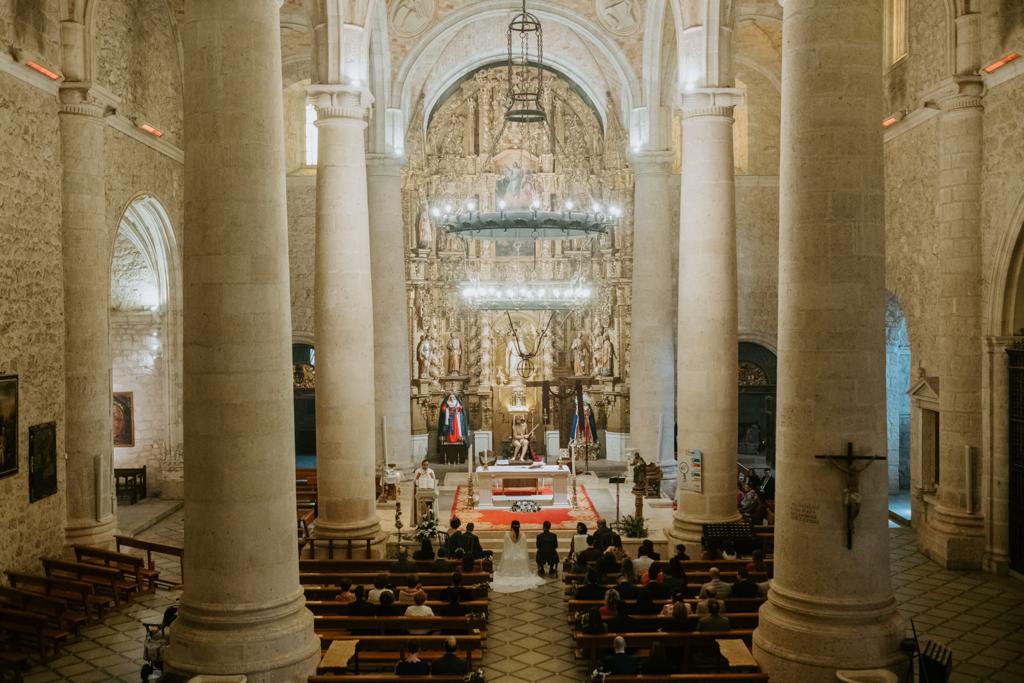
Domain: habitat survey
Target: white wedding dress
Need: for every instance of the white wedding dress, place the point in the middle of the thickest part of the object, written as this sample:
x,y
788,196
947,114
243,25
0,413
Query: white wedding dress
x,y
514,572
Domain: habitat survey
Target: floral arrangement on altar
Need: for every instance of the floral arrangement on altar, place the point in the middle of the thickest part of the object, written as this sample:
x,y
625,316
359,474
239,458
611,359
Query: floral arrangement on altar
x,y
525,506
426,529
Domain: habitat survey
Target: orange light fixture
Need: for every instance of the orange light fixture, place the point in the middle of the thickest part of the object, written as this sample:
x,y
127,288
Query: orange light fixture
x,y
155,132
35,66
1000,63
889,121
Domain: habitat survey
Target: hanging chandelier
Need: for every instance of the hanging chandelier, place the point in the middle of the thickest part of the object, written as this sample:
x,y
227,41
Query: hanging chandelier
x,y
528,224
525,69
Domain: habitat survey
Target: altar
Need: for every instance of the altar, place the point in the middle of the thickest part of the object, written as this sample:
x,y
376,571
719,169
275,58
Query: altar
x,y
520,477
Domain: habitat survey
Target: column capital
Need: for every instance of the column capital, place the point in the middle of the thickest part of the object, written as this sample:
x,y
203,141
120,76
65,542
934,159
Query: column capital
x,y
384,164
77,98
961,92
336,101
710,101
652,162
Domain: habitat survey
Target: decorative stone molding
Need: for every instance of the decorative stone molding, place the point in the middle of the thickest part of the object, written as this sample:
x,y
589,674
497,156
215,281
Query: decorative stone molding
x,y
340,101
77,99
710,102
384,164
652,162
961,92
621,17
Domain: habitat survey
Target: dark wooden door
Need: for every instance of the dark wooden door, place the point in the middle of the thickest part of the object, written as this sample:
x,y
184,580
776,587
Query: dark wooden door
x,y
1016,358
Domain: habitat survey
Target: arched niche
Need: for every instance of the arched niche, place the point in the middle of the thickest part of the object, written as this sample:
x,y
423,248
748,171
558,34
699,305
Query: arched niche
x,y
757,389
897,400
146,343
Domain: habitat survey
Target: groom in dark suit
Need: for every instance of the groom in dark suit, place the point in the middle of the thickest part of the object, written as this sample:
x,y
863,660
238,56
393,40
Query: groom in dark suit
x,y
547,553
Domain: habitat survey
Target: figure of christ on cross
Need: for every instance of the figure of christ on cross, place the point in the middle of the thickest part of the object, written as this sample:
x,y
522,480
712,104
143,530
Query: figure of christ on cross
x,y
847,464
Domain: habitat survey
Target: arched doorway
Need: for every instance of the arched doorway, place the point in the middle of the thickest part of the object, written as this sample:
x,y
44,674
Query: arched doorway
x,y
897,405
757,377
145,344
304,386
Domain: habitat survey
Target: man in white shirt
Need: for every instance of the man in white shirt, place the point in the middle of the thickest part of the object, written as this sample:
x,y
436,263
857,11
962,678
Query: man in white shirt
x,y
642,563
425,477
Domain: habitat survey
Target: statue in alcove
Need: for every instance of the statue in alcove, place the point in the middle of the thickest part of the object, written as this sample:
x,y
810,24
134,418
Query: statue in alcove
x,y
580,354
424,352
604,353
454,355
424,229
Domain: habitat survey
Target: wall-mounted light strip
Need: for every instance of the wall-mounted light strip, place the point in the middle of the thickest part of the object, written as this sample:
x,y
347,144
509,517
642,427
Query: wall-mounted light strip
x,y
155,132
1000,63
35,66
890,121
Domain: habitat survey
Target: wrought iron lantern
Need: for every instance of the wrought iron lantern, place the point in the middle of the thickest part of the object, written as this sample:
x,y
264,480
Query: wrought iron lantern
x,y
525,69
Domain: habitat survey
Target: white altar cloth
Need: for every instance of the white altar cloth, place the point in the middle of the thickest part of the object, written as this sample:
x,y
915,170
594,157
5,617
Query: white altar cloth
x,y
558,476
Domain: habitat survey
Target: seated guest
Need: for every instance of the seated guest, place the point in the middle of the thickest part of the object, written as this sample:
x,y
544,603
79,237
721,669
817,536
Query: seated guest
x,y
579,541
713,621
675,582
449,663
471,544
657,663
419,609
619,663
677,599
729,550
648,546
426,551
611,599
681,553
609,565
703,605
645,602
602,536
441,564
456,591
359,607
716,584
452,606
679,620
591,556
346,596
616,548
757,563
387,606
593,624
710,552
626,584
654,579
454,536
407,592
619,621
591,590
412,665
380,586
643,561
402,565
745,588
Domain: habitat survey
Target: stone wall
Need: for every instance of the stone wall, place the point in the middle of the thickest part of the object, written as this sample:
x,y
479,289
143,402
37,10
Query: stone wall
x,y
32,25
301,241
31,310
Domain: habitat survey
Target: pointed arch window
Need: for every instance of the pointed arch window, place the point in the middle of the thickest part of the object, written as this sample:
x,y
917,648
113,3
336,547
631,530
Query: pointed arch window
x,y
311,135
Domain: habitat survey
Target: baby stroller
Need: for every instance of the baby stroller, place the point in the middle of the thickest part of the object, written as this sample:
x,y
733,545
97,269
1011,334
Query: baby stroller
x,y
157,638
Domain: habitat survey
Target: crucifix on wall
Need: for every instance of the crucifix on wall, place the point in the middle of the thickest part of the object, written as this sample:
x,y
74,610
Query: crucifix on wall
x,y
848,465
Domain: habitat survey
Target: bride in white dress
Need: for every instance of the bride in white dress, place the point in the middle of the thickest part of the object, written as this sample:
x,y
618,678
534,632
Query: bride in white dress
x,y
514,572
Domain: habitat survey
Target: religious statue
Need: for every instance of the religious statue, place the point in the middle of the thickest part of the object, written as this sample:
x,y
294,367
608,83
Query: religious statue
x,y
639,468
424,354
580,351
436,360
452,422
425,230
512,359
520,439
411,17
604,353
583,432
454,355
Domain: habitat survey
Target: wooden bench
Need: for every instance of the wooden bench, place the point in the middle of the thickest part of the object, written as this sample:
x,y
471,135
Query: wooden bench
x,y
652,622
55,609
731,604
687,641
362,566
130,484
385,651
33,629
13,659
151,548
76,593
134,568
110,579
338,626
304,518
382,678
692,577
367,579
696,678
334,608
329,590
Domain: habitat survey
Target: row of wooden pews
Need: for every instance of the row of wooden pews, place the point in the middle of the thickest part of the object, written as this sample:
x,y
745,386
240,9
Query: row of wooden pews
x,y
366,649
700,655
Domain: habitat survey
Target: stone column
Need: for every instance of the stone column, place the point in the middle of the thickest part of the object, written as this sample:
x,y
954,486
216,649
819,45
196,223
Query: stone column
x,y
652,361
390,322
344,312
995,490
829,607
87,364
954,530
707,388
242,610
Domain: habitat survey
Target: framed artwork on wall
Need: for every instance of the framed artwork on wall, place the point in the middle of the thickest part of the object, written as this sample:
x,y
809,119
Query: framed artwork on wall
x,y
42,461
8,425
124,419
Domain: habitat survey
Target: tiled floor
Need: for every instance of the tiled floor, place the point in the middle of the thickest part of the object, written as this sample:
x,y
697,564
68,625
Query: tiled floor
x,y
981,617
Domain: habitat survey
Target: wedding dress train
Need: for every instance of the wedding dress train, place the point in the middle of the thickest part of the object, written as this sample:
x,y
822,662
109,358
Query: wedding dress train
x,y
514,572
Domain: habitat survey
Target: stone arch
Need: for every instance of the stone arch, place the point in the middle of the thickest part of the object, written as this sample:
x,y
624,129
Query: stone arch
x,y
1006,314
758,366
146,341
897,400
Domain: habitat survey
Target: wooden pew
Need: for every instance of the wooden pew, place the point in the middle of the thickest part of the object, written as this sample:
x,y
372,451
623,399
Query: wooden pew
x,y
134,568
332,607
13,659
362,566
33,629
151,548
732,605
382,678
384,651
686,641
304,518
695,678
650,623
367,579
109,579
340,626
690,566
74,592
55,609
698,577
329,590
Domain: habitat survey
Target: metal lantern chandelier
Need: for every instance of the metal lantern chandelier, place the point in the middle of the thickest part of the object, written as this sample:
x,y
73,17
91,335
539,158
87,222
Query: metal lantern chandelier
x,y
525,69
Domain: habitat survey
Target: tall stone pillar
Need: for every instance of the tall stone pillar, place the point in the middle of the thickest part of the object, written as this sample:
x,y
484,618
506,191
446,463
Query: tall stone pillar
x,y
652,413
344,325
242,610
707,388
830,607
393,425
954,531
90,512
